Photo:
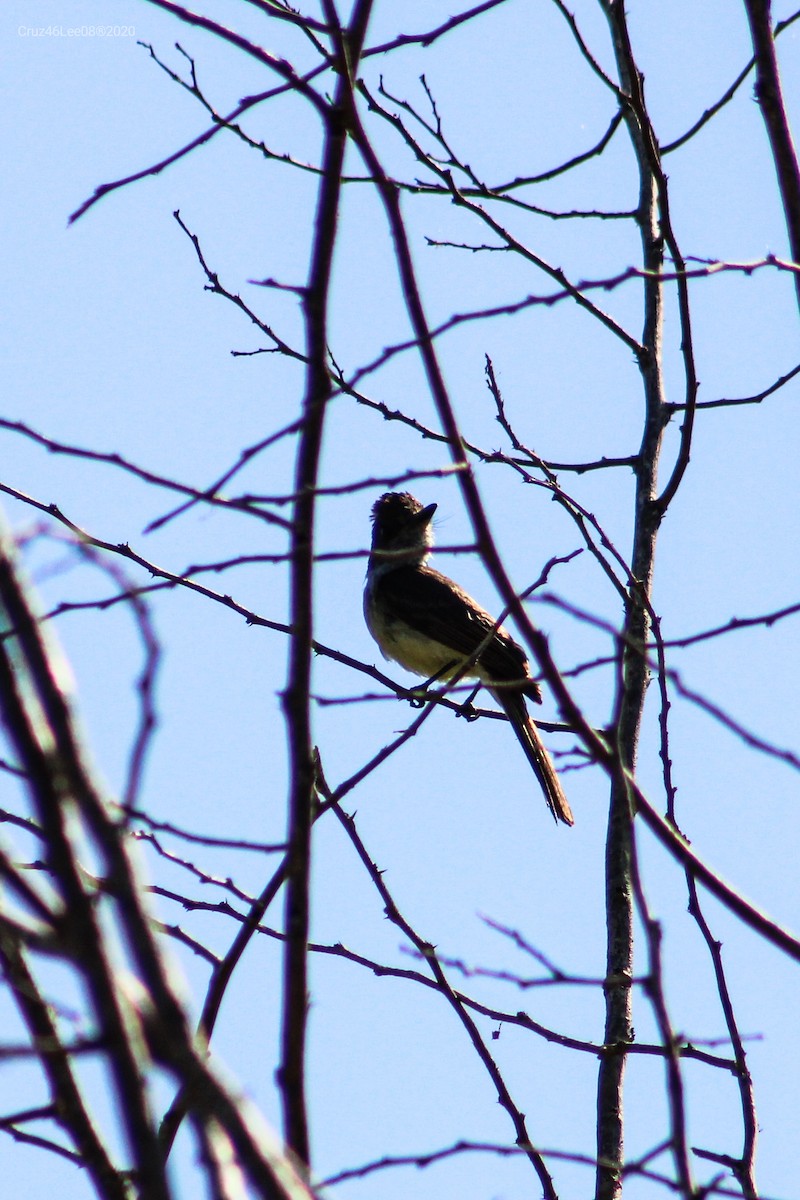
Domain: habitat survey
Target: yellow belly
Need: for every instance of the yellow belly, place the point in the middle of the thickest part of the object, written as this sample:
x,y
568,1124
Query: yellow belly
x,y
413,650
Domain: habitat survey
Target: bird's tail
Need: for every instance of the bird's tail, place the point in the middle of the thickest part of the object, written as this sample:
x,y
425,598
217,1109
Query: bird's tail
x,y
513,704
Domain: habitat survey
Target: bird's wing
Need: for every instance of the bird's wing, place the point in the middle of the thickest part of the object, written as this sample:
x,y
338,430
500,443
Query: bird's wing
x,y
427,600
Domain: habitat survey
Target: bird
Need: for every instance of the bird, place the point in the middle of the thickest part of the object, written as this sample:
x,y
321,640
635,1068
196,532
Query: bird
x,y
424,621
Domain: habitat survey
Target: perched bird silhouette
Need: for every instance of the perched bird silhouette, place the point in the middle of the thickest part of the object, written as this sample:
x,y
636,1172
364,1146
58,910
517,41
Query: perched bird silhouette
x,y
427,623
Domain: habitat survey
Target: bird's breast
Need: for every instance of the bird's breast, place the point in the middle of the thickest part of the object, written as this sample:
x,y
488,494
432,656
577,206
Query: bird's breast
x,y
404,644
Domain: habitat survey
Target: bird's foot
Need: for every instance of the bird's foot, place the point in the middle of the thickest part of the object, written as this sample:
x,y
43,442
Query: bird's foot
x,y
419,696
467,709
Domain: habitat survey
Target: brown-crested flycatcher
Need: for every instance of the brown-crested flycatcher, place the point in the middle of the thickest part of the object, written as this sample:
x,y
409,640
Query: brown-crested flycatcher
x,y
431,626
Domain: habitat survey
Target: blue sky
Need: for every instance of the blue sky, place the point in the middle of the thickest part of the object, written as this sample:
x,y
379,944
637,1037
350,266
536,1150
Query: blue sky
x,y
111,343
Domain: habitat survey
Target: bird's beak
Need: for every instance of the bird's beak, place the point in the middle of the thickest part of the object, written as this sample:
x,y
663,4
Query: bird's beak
x,y
425,515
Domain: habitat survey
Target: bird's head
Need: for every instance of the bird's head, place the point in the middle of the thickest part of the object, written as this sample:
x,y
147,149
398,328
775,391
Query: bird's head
x,y
401,528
